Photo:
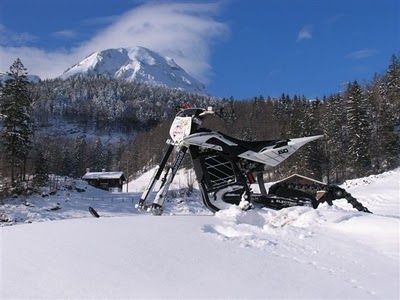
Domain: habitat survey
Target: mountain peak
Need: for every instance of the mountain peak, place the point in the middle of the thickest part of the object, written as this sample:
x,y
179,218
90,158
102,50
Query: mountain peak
x,y
137,64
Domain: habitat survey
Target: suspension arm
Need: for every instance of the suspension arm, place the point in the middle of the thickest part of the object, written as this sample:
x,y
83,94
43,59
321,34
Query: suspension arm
x,y
334,192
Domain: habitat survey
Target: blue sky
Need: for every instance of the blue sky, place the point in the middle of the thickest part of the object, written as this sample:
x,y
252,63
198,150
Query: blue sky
x,y
238,47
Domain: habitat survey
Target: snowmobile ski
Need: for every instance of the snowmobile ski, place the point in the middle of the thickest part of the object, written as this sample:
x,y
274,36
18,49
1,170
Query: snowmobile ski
x,y
156,177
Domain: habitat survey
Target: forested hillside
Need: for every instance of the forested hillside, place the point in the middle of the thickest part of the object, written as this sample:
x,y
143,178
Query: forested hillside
x,y
107,102
359,125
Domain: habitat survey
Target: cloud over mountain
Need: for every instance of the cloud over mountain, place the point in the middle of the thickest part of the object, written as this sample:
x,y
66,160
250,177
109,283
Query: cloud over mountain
x,y
182,31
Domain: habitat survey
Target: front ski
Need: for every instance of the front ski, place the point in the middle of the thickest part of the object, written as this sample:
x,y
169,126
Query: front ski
x,y
158,203
155,178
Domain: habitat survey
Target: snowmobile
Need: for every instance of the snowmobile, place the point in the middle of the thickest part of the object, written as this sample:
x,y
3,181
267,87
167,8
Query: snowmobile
x,y
226,167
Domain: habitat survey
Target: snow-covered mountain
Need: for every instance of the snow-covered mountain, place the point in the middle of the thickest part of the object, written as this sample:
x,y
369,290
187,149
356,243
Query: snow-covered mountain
x,y
137,64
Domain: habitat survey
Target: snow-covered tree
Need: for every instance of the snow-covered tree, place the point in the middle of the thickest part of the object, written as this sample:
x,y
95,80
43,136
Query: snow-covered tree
x,y
80,157
97,156
358,128
16,111
389,115
333,123
41,167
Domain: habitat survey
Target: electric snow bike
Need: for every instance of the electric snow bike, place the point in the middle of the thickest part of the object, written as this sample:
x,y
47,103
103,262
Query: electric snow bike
x,y
226,167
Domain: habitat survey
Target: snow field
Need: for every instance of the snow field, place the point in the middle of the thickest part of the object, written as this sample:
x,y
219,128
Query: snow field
x,y
332,252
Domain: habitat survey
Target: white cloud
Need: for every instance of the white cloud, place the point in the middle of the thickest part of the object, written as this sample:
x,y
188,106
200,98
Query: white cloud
x,y
100,20
12,38
361,54
39,62
183,31
67,34
305,33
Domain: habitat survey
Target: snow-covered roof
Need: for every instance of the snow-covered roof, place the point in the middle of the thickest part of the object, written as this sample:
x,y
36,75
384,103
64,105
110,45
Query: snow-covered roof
x,y
302,177
103,175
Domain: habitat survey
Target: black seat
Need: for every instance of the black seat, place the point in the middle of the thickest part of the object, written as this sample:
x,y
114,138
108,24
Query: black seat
x,y
256,146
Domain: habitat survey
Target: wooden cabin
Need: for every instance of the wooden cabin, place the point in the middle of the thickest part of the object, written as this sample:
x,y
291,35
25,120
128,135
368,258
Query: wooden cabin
x,y
109,181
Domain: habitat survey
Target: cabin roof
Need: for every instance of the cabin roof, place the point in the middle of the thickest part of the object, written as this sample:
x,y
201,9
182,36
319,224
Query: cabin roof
x,y
297,177
104,175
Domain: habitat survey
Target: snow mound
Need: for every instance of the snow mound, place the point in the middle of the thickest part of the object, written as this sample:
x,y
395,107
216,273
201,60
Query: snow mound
x,y
380,193
255,227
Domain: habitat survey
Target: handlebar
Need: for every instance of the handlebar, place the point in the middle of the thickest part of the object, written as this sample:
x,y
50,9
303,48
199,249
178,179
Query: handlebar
x,y
198,112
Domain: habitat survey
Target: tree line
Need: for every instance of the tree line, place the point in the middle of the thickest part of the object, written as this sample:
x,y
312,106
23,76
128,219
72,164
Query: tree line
x,y
359,126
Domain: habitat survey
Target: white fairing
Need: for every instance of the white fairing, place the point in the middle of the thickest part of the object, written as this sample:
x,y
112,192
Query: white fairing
x,y
180,128
274,156
269,156
200,139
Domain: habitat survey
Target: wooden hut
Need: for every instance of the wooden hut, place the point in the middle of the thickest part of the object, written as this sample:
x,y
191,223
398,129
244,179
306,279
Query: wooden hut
x,y
109,181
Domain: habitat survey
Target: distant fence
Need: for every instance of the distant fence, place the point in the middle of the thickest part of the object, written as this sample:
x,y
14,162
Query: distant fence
x,y
111,199
56,181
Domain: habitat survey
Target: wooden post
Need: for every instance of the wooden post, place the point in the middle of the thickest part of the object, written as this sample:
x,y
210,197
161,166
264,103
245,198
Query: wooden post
x,y
127,176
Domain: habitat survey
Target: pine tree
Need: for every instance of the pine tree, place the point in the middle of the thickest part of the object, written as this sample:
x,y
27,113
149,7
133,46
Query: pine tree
x,y
41,168
229,113
109,157
67,163
389,115
16,110
358,128
335,132
309,158
120,149
80,157
98,156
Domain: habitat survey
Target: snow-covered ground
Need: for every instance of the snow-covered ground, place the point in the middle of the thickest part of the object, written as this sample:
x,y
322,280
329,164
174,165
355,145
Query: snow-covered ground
x,y
74,198
331,252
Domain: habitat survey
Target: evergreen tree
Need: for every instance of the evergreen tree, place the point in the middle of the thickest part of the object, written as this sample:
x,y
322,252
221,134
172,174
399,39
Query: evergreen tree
x,y
229,113
80,157
120,149
16,111
310,157
389,115
67,163
98,156
109,158
358,128
41,168
334,128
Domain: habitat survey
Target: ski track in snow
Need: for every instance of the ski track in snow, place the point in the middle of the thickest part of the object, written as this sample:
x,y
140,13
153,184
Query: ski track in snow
x,y
298,252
